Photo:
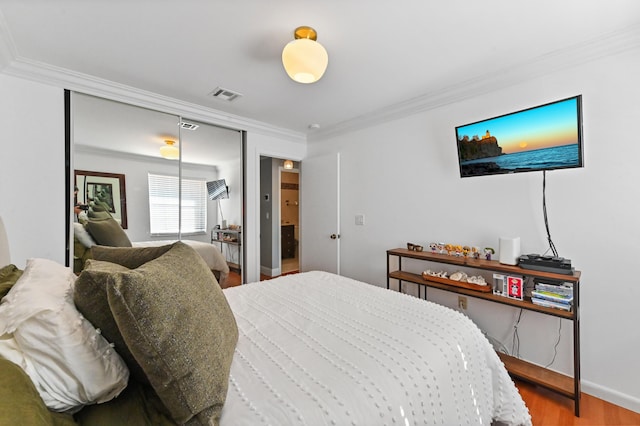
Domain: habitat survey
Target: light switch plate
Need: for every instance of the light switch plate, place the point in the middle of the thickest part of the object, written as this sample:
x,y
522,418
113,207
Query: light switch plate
x,y
359,219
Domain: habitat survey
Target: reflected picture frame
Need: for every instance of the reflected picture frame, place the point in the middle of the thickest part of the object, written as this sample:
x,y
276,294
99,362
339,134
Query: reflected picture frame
x,y
108,188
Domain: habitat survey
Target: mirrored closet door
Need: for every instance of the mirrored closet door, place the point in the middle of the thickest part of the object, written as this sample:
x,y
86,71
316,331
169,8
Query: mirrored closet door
x,y
154,172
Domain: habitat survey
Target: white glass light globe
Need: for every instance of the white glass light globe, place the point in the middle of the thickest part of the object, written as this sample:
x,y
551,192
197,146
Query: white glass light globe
x,y
305,60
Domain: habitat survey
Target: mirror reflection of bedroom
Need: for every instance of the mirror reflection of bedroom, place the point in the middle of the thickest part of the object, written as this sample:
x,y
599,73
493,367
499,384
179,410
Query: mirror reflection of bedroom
x,y
279,217
156,168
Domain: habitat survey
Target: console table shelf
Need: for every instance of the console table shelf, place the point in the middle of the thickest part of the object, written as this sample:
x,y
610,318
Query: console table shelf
x,y
230,237
557,382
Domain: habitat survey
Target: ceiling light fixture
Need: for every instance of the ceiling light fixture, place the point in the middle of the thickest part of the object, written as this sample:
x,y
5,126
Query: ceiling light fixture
x,y
288,164
304,59
170,151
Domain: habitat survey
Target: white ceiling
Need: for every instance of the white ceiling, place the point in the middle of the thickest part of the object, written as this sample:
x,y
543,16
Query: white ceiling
x,y
382,54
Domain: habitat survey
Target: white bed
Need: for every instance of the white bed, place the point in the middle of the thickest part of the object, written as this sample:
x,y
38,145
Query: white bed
x,y
320,349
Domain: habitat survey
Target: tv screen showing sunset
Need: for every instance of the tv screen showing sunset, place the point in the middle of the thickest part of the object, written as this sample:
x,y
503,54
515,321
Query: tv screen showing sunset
x,y
540,138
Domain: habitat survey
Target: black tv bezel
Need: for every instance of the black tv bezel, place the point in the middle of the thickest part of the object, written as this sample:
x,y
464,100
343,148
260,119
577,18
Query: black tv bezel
x,y
580,164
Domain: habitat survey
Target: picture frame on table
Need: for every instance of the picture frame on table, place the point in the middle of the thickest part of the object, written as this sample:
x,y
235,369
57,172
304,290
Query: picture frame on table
x,y
515,287
107,188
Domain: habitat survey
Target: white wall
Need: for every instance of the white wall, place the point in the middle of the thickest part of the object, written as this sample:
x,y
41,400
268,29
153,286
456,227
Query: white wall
x,y
403,176
32,179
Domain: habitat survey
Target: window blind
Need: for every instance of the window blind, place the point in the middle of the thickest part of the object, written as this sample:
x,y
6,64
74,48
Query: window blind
x,y
164,202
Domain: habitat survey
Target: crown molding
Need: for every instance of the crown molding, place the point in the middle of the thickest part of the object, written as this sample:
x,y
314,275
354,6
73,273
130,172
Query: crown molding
x,y
614,43
60,77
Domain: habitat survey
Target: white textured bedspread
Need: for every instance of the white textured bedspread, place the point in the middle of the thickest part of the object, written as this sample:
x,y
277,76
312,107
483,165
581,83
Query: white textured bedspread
x,y
320,349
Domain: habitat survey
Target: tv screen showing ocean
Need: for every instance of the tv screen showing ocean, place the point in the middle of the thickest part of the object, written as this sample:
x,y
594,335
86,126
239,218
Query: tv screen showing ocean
x,y
539,159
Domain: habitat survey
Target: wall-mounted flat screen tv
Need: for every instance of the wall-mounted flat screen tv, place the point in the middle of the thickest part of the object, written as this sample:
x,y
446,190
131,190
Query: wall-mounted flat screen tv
x,y
217,189
544,137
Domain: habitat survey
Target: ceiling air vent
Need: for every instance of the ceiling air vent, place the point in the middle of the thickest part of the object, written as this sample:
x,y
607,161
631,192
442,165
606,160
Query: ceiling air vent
x,y
188,126
225,94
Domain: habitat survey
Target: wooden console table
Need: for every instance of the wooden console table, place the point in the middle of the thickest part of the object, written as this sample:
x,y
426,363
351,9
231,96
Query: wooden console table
x,y
231,237
557,382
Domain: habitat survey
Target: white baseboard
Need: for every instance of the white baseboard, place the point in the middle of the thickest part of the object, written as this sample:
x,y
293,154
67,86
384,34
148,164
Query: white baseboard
x,y
269,272
623,400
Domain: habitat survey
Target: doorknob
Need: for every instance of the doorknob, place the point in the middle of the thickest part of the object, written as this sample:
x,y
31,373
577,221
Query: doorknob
x,y
334,236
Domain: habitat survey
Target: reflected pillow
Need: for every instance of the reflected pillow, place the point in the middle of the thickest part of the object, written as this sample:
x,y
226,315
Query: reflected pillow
x,y
98,214
107,232
82,235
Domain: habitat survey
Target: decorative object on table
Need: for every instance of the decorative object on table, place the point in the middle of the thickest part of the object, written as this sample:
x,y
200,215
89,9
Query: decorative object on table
x,y
488,252
509,250
104,190
430,273
459,276
475,252
499,284
515,287
457,279
414,247
553,295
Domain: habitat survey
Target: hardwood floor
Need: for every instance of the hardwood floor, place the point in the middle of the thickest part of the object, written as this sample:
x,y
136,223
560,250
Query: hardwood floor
x,y
548,408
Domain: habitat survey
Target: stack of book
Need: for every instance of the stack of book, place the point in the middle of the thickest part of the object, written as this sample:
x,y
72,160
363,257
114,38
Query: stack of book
x,y
558,296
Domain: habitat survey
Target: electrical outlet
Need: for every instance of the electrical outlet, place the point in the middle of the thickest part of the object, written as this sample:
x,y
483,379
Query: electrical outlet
x,y
462,302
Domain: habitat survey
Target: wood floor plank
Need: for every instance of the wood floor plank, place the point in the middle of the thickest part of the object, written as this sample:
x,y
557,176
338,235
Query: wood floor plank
x,y
549,408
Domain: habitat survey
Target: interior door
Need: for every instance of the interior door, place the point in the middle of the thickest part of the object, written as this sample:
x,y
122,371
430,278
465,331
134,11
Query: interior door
x,y
320,214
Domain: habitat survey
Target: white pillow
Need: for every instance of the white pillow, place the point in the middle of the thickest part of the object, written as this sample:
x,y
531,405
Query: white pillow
x,y
68,360
83,235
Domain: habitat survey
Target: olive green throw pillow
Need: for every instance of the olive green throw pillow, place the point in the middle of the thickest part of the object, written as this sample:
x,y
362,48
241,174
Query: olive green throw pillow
x,y
20,402
131,257
108,232
90,298
90,293
8,276
180,329
137,405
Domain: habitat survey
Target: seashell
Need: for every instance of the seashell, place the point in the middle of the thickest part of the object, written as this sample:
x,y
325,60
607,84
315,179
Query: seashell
x,y
458,276
479,280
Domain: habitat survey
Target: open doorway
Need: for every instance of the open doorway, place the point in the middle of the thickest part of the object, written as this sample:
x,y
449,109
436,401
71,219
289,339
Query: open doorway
x,y
289,220
279,217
